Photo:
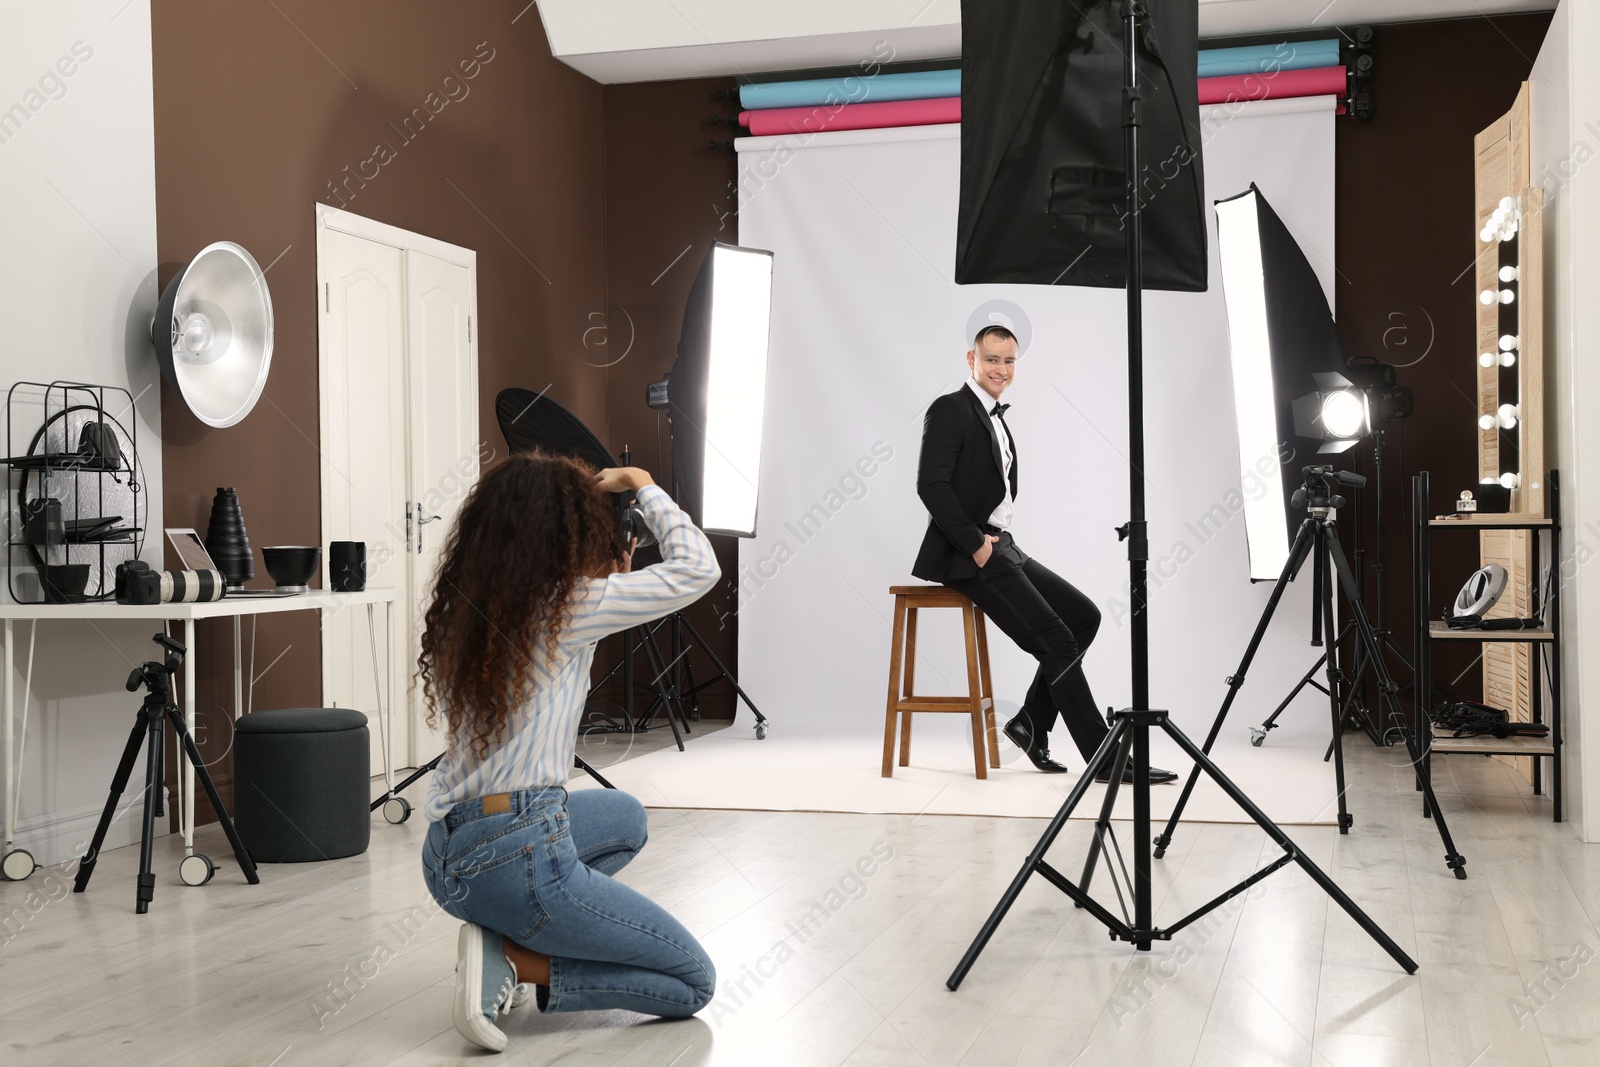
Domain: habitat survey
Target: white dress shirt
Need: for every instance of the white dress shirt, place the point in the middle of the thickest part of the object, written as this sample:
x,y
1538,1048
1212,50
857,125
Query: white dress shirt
x,y
1002,516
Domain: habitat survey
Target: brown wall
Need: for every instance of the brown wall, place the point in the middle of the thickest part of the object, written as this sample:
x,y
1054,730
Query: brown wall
x,y
667,195
1405,292
262,111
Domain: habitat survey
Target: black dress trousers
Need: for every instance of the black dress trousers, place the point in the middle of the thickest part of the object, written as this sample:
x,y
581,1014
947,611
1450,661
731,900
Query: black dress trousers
x,y
1054,623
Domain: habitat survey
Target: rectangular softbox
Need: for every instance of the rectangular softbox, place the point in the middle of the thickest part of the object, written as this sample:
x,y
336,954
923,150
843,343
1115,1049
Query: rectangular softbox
x,y
1043,183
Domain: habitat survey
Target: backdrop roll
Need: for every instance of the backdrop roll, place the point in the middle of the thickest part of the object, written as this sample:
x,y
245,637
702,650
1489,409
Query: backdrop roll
x,y
852,116
1317,82
868,327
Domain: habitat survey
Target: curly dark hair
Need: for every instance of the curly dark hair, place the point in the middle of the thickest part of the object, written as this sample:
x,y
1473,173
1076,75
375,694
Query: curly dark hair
x,y
532,528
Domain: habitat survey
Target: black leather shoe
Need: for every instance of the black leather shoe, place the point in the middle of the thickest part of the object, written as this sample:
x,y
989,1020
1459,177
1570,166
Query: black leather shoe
x,y
1157,775
1019,732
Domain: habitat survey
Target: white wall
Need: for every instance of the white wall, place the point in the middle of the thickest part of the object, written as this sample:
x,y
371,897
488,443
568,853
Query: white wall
x,y
77,290
1565,145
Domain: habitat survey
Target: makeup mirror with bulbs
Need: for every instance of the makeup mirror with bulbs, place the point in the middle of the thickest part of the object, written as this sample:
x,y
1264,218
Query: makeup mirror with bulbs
x,y
1510,394
1510,313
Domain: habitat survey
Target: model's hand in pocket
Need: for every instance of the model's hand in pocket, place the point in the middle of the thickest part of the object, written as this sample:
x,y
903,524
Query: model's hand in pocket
x,y
981,557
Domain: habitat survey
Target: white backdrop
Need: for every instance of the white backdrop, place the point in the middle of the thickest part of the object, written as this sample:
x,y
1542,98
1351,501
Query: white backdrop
x,y
868,328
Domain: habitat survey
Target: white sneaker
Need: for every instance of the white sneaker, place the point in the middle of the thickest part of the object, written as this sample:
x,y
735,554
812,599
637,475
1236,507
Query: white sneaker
x,y
520,995
485,983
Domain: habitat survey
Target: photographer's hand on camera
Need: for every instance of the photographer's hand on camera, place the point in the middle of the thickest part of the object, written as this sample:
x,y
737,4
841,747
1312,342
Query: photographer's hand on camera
x,y
623,479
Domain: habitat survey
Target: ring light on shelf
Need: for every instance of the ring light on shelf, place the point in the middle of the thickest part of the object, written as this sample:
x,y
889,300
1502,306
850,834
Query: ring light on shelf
x,y
213,333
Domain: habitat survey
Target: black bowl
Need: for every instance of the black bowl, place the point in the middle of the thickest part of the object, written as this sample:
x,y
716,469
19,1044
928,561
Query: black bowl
x,y
64,583
292,566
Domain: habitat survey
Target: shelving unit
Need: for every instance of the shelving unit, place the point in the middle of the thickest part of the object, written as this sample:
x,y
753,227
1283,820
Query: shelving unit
x,y
1545,641
43,424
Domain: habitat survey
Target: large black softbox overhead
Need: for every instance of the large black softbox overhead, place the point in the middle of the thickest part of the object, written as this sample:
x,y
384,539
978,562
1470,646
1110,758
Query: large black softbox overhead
x,y
1043,194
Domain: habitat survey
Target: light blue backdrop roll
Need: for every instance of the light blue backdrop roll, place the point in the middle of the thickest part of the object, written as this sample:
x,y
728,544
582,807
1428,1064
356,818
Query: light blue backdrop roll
x,y
856,89
1260,58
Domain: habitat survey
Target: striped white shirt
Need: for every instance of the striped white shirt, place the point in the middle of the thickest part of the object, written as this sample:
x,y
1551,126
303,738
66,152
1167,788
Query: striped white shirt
x,y
544,731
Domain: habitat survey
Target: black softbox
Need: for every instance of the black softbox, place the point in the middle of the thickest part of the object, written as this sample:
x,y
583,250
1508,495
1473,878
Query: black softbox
x,y
1043,194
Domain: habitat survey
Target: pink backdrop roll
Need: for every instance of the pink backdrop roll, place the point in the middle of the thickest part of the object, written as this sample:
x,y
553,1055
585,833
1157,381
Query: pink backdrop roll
x,y
780,120
1318,81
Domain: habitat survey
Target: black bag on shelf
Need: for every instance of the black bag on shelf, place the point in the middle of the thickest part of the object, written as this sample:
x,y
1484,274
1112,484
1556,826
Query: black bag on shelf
x,y
1468,718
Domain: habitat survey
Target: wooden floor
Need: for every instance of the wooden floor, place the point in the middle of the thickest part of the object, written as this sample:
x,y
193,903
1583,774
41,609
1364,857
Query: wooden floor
x,y
833,936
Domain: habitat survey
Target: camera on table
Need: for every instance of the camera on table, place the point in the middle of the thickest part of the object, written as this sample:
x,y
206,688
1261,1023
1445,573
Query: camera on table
x,y
138,583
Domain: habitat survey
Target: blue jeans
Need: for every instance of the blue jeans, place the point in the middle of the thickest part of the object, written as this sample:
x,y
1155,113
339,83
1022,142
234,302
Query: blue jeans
x,y
539,874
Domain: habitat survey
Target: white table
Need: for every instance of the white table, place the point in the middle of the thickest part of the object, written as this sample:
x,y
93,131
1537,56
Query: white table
x,y
228,607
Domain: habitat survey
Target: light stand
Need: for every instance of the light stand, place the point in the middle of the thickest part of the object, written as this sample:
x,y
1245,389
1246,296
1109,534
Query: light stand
x,y
1130,729
1354,710
1318,538
156,710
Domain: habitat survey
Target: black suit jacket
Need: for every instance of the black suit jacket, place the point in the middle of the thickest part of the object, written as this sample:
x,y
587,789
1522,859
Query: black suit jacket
x,y
960,481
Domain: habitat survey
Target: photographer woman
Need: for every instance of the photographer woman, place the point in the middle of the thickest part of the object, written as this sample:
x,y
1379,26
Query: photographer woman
x,y
533,575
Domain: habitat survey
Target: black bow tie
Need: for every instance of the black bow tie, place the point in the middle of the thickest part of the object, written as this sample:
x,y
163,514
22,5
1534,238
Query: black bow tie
x,y
1000,410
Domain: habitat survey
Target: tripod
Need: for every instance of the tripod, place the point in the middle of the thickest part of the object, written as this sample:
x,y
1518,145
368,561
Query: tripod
x,y
1319,539
157,708
1130,730
1354,709
673,681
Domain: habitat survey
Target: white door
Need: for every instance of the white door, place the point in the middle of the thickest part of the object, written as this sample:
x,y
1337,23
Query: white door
x,y
442,377
399,417
363,411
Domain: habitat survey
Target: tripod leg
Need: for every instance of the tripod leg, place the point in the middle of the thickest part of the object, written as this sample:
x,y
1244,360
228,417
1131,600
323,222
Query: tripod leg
x,y
1036,859
685,688
659,669
413,776
1309,678
1282,839
590,771
667,677
246,864
1291,566
1102,825
119,782
152,762
1386,689
1324,597
760,718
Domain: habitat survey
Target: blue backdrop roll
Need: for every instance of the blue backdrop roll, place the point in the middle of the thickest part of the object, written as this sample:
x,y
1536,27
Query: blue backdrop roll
x,y
1260,58
855,89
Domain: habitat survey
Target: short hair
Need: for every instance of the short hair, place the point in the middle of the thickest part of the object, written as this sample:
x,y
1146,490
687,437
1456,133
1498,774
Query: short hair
x,y
994,329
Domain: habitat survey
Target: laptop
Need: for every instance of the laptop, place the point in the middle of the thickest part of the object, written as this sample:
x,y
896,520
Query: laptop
x,y
194,557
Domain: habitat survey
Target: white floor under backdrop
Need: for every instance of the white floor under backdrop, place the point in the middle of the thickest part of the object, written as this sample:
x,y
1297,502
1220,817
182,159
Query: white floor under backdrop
x,y
731,769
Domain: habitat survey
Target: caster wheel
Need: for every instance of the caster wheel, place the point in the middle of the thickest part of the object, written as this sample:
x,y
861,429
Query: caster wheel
x,y
1257,735
396,810
761,731
18,865
196,869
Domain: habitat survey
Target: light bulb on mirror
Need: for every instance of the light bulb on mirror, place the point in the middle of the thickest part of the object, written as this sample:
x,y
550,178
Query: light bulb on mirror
x,y
1508,342
1486,359
1486,297
1508,359
1509,480
1507,296
1508,274
1508,416
1486,422
1508,203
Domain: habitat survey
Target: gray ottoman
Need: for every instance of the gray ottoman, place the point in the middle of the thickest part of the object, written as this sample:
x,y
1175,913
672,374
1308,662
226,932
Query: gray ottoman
x,y
301,784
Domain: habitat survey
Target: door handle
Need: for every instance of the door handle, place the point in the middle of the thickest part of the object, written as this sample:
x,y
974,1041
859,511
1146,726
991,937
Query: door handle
x,y
421,522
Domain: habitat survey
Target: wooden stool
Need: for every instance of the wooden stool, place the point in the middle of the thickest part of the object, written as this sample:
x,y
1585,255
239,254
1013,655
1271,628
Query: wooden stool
x,y
979,701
